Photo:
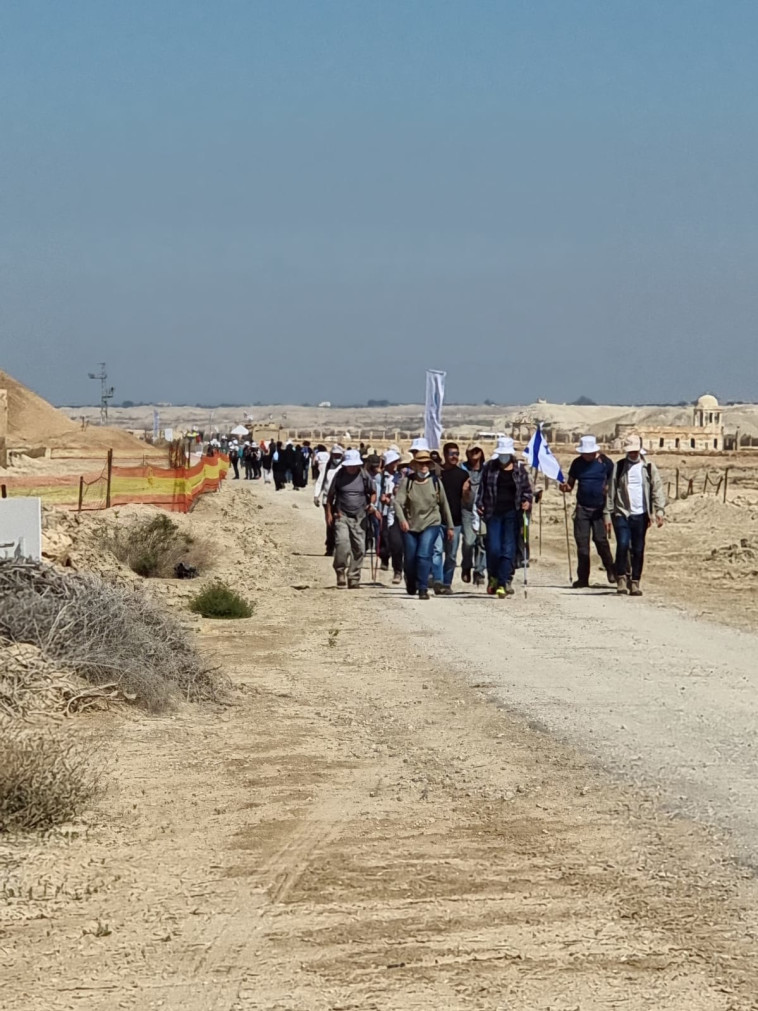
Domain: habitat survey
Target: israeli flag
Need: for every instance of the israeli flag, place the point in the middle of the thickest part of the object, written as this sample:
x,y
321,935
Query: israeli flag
x,y
539,457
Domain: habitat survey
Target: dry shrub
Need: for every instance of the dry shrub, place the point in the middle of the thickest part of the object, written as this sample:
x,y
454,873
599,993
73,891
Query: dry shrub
x,y
153,547
44,780
109,635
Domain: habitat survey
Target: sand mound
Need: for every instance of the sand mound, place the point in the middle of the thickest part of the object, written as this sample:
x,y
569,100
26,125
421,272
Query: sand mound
x,y
33,422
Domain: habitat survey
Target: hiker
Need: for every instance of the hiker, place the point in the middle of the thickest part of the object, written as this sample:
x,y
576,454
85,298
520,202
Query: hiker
x,y
307,452
319,460
391,539
421,507
373,464
279,466
234,459
299,468
247,461
454,480
635,499
349,505
470,520
267,461
255,454
504,494
321,490
592,470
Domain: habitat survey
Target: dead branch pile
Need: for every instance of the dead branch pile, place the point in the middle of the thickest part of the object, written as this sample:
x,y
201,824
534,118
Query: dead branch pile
x,y
112,636
31,685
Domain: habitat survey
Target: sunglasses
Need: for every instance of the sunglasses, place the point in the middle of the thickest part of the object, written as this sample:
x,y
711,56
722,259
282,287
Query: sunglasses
x,y
452,452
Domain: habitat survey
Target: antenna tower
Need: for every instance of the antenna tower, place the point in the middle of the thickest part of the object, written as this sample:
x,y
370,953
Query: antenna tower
x,y
106,391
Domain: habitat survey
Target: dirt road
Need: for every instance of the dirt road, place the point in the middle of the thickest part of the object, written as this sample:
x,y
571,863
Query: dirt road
x,y
369,827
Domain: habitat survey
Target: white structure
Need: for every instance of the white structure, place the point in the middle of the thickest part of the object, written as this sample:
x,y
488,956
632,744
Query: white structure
x,y
704,435
21,528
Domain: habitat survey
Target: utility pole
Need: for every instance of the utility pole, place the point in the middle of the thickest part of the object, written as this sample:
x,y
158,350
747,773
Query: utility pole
x,y
106,392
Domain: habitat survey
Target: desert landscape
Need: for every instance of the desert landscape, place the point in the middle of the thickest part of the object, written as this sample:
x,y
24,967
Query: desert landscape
x,y
338,802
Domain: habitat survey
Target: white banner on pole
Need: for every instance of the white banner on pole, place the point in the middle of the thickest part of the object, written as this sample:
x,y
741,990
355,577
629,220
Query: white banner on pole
x,y
435,395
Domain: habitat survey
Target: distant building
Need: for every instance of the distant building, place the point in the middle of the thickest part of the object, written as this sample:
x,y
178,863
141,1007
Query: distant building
x,y
325,403
705,435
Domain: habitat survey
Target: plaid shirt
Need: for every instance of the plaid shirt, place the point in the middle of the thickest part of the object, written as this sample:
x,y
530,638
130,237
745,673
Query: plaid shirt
x,y
486,497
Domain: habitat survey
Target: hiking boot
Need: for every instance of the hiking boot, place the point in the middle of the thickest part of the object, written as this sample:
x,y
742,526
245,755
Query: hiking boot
x,y
341,577
492,587
466,575
397,578
611,576
353,586
500,593
509,591
438,588
634,588
385,567
446,591
423,595
621,586
579,585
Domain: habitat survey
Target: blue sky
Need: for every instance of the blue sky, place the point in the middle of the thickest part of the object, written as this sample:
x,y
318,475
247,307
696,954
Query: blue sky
x,y
297,201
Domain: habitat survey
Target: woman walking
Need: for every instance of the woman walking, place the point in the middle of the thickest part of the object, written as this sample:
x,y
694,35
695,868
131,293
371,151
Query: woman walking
x,y
421,508
505,493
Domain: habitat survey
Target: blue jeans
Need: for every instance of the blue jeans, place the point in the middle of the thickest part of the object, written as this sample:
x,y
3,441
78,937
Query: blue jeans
x,y
418,558
438,554
502,533
451,554
631,532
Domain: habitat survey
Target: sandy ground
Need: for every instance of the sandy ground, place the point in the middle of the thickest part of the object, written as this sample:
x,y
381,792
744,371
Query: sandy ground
x,y
381,821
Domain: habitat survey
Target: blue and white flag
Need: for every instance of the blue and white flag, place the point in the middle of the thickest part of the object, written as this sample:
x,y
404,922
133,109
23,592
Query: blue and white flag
x,y
435,394
539,457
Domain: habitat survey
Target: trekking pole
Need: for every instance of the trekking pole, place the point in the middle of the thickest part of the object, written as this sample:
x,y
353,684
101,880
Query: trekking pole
x,y
568,542
525,552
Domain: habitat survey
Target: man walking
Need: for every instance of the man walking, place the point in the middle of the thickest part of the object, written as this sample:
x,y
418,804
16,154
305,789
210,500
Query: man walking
x,y
454,480
321,491
470,519
592,470
635,499
349,501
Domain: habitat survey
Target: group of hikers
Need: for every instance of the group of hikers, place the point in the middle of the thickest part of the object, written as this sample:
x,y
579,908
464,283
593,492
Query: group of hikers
x,y
283,463
416,514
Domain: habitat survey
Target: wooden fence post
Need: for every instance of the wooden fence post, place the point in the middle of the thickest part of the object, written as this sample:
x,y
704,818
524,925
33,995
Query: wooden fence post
x,y
108,480
81,492
726,481
4,491
676,484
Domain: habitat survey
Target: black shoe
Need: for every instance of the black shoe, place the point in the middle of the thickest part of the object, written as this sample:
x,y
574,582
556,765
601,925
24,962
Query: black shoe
x,y
578,585
611,576
423,595
410,589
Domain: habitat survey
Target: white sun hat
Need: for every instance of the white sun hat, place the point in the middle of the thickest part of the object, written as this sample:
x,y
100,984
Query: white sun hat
x,y
504,447
588,444
420,445
391,456
337,450
352,459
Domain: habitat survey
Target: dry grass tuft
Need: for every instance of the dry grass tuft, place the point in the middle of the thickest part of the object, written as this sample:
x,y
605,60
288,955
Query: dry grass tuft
x,y
44,780
109,635
153,547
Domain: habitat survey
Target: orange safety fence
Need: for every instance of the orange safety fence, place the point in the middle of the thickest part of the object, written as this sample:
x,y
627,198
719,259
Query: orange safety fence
x,y
173,488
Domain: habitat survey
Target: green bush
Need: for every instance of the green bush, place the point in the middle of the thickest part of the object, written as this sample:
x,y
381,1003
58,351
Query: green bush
x,y
218,600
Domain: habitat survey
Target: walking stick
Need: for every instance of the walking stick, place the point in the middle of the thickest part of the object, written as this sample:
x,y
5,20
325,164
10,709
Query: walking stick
x,y
525,552
540,527
568,542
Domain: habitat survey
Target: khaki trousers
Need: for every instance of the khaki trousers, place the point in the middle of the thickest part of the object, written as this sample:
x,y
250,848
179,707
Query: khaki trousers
x,y
350,545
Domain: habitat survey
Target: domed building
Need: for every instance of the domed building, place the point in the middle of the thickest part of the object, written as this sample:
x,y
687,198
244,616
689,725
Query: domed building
x,y
705,435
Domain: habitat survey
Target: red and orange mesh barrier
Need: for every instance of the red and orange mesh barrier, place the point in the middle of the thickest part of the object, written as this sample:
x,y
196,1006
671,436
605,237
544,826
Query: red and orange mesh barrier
x,y
173,488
